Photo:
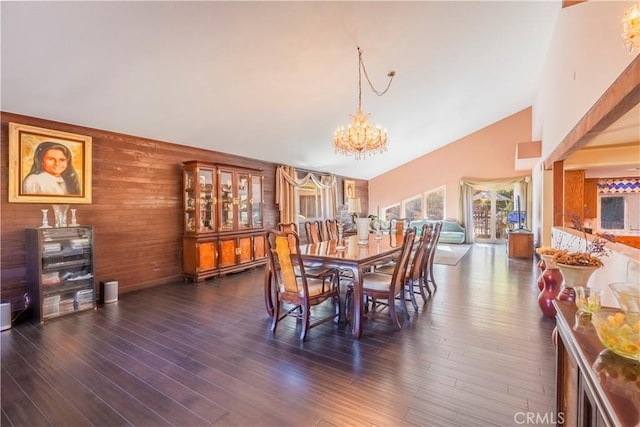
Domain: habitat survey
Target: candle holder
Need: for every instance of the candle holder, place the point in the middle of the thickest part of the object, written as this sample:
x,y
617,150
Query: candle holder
x,y
340,244
45,219
60,212
362,228
74,222
376,227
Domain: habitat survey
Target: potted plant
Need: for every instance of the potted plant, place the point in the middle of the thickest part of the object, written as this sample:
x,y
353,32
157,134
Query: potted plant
x,y
578,266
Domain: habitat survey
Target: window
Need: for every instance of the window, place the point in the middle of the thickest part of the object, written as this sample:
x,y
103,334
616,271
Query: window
x,y
620,212
309,202
434,201
413,208
391,212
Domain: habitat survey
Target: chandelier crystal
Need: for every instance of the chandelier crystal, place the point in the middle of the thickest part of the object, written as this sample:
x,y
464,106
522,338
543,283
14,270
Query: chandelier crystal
x,y
360,138
631,27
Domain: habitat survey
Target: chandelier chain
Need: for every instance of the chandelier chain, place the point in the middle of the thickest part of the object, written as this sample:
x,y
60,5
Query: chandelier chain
x,y
391,74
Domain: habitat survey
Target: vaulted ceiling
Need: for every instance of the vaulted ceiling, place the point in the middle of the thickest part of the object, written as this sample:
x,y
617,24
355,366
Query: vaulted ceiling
x,y
273,80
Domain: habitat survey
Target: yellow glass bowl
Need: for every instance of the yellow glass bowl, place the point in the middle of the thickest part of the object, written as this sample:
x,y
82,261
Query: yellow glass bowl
x,y
618,332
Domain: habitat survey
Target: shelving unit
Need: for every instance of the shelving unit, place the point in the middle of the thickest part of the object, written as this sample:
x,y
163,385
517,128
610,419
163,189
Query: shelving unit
x,y
223,219
60,270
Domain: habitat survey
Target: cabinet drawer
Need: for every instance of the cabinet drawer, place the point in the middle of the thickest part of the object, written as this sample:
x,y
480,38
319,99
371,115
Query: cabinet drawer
x,y
207,255
244,254
227,252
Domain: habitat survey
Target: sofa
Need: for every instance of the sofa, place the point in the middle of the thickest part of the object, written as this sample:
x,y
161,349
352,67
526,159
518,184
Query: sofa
x,y
452,232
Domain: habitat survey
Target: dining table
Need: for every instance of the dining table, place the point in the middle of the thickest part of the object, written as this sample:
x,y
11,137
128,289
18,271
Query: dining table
x,y
359,256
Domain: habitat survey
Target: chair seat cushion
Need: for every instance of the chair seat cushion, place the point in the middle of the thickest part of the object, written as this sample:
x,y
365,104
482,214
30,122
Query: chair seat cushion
x,y
317,271
376,281
316,287
386,269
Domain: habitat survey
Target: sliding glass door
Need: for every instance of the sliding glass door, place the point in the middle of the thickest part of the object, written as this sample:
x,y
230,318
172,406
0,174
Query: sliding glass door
x,y
490,211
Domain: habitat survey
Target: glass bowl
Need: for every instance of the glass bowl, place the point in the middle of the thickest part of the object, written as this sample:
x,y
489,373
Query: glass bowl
x,y
628,296
618,332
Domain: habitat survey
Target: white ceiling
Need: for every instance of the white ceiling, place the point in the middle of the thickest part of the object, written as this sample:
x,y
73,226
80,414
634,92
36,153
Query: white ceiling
x,y
272,80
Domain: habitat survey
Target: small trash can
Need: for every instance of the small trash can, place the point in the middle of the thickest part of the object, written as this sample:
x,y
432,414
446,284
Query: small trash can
x,y
108,291
5,316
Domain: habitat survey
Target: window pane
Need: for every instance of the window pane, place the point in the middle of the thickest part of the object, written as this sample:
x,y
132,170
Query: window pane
x,y
392,212
435,204
413,208
308,202
612,213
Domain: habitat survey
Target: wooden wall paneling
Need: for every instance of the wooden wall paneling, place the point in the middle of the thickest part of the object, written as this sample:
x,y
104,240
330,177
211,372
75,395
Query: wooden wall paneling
x,y
590,198
573,194
136,209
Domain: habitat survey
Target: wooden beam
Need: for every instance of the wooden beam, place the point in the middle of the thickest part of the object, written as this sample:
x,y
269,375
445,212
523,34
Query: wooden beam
x,y
568,3
617,100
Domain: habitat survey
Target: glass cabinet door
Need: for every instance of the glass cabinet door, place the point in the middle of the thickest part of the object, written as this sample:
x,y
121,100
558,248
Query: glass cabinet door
x,y
227,197
206,201
256,201
243,201
189,201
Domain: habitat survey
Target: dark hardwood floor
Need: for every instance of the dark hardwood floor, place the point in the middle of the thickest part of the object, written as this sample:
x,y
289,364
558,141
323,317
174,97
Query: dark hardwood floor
x,y
477,354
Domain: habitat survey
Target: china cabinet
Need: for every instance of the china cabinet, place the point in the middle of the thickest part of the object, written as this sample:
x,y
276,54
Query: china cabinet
x,y
223,219
60,270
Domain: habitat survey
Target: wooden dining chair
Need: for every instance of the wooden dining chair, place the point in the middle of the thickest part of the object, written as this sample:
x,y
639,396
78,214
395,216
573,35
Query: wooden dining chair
x,y
315,270
295,288
414,277
383,289
313,230
268,278
431,253
287,226
332,229
398,226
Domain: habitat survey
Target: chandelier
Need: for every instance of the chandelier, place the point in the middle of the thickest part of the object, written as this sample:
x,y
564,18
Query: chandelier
x,y
360,138
631,27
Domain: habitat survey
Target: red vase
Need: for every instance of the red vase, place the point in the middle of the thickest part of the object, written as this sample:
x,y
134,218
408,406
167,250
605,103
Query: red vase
x,y
552,279
567,294
542,266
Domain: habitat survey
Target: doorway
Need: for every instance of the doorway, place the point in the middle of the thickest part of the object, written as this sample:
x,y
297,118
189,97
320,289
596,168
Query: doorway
x,y
490,214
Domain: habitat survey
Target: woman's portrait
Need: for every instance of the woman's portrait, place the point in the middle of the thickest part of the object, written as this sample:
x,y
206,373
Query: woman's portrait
x,y
349,190
48,166
52,171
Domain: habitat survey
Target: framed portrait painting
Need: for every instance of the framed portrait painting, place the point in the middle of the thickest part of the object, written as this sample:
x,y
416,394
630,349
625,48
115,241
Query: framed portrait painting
x,y
349,190
48,166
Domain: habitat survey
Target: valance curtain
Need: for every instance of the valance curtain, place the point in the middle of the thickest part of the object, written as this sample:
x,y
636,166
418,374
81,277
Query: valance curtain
x,y
521,187
286,184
